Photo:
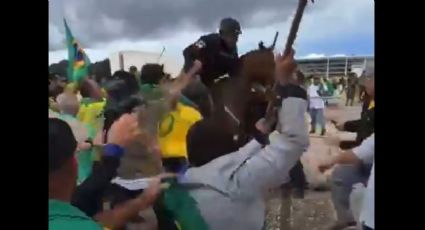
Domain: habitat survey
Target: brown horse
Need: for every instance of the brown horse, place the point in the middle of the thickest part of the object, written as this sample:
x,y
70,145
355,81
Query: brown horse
x,y
237,94
237,107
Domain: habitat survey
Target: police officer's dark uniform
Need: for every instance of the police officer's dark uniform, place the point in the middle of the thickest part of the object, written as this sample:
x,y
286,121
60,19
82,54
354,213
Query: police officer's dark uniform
x,y
216,56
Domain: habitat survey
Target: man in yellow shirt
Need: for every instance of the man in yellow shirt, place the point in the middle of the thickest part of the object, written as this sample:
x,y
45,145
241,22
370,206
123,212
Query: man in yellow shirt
x,y
172,133
174,126
91,113
91,105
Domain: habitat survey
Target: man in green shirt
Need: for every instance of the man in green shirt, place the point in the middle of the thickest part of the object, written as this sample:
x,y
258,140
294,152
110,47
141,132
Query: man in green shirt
x,y
63,174
330,87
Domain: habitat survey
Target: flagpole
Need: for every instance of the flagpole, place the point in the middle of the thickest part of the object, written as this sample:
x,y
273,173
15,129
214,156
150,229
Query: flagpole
x,y
160,55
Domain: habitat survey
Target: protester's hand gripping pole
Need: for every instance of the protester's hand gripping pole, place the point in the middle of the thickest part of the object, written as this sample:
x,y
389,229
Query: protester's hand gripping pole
x,y
288,48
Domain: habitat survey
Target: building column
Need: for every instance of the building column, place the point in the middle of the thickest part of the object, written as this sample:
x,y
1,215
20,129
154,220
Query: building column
x,y
346,66
121,61
327,69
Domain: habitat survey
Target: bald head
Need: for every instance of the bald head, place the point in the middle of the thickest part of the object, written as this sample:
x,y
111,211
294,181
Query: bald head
x,y
68,103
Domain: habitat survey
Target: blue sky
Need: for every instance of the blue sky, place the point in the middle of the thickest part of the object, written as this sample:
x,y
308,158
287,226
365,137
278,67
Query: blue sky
x,y
363,44
329,27
359,45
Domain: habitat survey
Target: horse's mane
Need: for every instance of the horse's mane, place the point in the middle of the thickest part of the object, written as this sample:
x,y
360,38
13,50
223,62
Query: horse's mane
x,y
254,52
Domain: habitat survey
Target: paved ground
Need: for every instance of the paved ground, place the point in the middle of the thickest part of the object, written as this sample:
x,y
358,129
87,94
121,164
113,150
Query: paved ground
x,y
315,211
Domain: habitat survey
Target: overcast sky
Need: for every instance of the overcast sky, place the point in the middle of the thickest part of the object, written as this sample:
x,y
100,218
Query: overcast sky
x,y
329,27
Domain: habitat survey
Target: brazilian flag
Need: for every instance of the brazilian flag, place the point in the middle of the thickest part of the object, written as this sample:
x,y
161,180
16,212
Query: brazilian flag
x,y
181,207
78,62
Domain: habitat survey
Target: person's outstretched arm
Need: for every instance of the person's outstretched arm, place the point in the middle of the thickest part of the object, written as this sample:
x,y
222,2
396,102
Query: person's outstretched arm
x,y
269,167
118,217
87,196
351,126
92,88
364,153
194,52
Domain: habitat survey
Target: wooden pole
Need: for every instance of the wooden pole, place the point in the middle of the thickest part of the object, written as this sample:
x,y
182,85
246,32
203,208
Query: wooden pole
x,y
285,208
288,47
286,201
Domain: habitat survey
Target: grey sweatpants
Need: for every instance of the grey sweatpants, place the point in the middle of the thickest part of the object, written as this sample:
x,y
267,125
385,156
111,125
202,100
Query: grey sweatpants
x,y
343,179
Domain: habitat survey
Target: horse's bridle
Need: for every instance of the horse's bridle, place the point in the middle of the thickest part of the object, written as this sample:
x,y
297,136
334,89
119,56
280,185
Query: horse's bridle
x,y
254,88
236,120
232,115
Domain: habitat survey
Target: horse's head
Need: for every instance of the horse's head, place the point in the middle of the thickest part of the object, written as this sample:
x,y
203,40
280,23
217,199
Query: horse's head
x,y
257,66
240,93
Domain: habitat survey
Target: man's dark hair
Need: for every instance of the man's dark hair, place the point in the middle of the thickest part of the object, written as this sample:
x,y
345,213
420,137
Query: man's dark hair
x,y
310,77
152,73
198,93
114,109
84,91
206,142
300,77
133,68
130,81
117,90
129,104
62,144
53,76
352,75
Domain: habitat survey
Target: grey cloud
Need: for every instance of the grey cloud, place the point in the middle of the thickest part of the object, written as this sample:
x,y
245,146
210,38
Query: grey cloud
x,y
55,38
98,21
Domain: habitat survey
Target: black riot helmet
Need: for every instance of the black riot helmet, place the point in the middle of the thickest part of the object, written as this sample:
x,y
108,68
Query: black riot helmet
x,y
230,26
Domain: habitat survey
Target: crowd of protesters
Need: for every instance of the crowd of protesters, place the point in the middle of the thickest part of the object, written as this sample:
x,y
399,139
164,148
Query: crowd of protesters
x,y
134,144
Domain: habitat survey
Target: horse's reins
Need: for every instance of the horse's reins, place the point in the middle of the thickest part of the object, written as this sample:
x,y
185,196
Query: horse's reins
x,y
226,109
229,112
221,78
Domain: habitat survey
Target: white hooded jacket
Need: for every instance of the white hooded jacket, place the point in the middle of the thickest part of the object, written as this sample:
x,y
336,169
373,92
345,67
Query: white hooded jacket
x,y
232,195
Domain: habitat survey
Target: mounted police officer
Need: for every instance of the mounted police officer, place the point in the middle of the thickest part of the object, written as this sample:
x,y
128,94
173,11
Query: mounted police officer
x,y
216,51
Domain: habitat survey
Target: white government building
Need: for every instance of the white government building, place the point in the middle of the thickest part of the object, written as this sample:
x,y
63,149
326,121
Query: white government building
x,y
124,59
322,66
336,66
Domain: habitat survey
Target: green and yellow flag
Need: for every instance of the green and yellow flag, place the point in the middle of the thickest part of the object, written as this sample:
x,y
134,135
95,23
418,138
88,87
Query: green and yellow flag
x,y
78,61
180,206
